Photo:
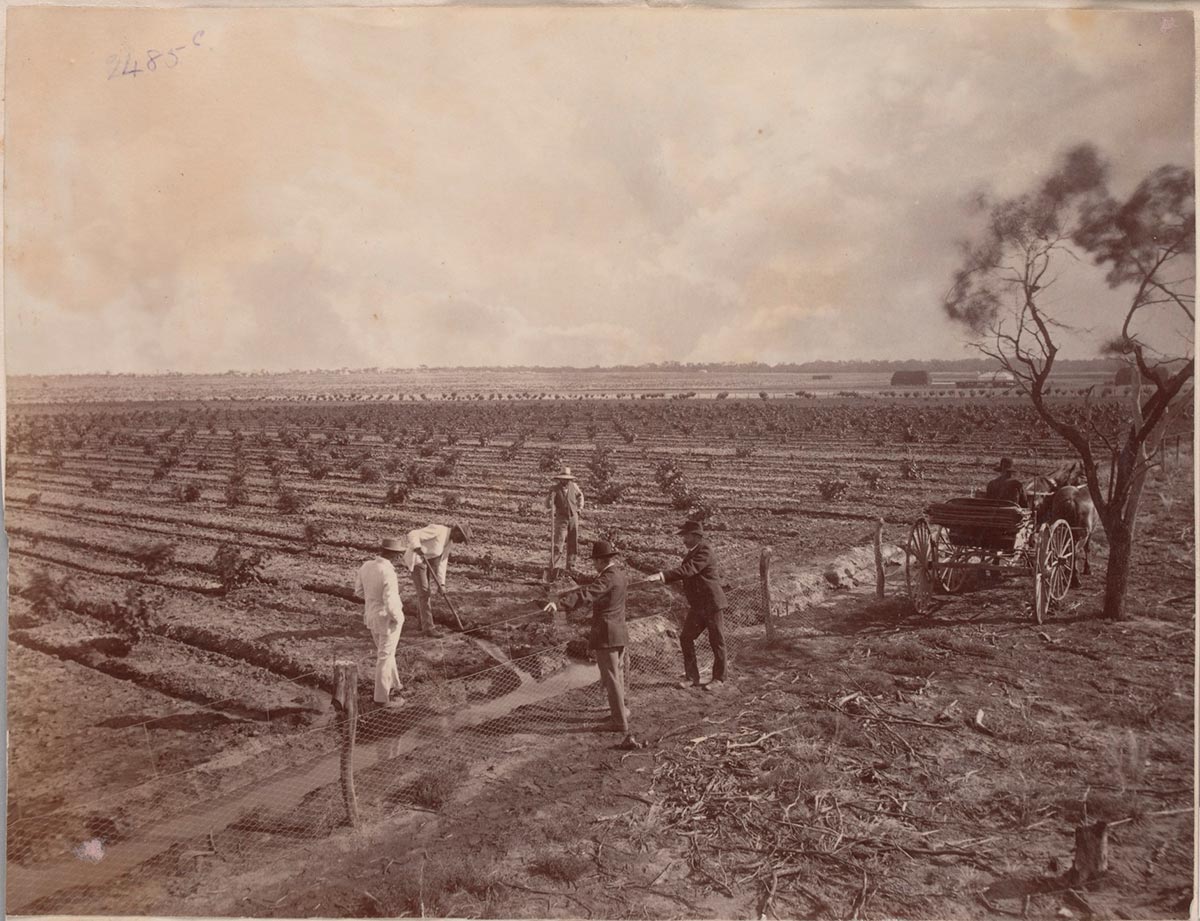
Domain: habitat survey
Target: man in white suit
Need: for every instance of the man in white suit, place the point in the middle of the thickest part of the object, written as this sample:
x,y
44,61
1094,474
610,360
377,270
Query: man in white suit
x,y
383,614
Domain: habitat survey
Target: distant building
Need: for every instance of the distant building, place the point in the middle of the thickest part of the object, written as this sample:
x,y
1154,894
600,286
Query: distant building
x,y
996,379
911,379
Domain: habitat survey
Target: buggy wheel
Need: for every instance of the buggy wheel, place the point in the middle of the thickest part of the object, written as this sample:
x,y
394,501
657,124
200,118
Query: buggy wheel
x,y
920,566
1041,598
956,581
1056,559
1044,568
940,542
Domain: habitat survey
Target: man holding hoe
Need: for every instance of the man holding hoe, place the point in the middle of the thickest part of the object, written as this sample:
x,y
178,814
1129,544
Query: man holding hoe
x,y
428,553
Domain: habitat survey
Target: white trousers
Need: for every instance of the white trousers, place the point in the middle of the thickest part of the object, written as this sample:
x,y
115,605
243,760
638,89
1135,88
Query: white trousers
x,y
387,676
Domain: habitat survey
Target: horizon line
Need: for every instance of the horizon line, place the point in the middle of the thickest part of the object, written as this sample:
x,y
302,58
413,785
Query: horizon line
x,y
665,366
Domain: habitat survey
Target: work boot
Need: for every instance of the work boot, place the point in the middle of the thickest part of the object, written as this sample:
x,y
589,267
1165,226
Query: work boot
x,y
716,684
688,683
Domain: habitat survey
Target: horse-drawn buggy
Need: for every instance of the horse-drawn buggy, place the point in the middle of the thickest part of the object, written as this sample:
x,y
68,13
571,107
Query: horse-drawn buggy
x,y
968,538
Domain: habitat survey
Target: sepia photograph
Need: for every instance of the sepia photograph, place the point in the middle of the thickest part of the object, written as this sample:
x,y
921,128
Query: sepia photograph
x,y
600,462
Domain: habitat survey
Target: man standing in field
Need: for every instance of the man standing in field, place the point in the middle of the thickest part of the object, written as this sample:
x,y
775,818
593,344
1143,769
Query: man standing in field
x,y
701,584
565,503
1007,487
383,614
608,637
428,550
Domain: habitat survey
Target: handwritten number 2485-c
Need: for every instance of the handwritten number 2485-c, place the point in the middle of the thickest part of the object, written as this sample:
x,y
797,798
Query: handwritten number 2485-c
x,y
154,60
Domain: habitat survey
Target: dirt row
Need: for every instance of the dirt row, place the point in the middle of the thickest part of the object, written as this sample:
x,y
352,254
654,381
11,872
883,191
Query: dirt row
x,y
868,762
220,672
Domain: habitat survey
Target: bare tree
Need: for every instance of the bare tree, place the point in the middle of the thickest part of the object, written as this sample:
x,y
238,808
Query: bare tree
x,y
1147,243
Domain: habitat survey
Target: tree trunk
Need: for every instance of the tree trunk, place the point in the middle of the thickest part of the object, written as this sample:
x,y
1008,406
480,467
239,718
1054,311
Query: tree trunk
x,y
1116,579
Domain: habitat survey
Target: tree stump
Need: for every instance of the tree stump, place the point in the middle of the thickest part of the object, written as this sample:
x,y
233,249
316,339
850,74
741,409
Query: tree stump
x,y
1091,853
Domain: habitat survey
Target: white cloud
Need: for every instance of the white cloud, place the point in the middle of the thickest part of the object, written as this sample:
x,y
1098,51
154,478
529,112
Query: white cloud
x,y
378,187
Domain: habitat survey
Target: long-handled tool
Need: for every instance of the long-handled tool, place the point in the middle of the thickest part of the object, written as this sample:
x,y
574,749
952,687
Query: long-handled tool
x,y
445,597
548,575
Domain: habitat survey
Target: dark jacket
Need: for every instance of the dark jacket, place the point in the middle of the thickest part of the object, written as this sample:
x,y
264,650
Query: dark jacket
x,y
701,581
606,591
1007,488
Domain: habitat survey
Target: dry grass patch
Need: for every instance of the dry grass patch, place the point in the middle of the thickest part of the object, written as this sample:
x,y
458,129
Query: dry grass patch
x,y
905,656
454,887
433,789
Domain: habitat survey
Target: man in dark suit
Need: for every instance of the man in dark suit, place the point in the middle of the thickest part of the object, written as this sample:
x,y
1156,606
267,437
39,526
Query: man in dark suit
x,y
1007,487
701,584
608,638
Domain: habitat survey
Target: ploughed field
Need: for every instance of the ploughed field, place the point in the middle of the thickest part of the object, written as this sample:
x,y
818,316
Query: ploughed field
x,y
181,572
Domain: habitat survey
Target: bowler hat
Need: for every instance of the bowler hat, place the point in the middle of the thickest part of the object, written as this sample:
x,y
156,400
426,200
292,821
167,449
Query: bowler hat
x,y
392,545
691,527
565,475
602,549
465,530
1005,465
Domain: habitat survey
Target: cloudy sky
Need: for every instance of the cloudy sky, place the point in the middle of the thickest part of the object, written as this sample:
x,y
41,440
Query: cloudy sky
x,y
326,188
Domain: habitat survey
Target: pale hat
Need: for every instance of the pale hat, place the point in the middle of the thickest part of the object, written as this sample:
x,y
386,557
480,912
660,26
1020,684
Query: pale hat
x,y
565,475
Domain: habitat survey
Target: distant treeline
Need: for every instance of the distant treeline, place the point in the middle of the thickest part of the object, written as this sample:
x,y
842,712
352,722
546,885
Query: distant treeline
x,y
856,366
851,366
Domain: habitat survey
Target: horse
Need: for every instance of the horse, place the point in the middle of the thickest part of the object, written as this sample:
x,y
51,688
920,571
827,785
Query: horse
x,y
1046,485
1074,505
1069,474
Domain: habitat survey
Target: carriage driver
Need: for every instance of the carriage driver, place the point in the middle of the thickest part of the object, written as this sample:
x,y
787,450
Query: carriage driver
x,y
1007,487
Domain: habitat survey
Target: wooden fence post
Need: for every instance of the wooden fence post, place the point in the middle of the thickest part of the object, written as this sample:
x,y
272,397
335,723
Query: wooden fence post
x,y
879,558
764,572
345,698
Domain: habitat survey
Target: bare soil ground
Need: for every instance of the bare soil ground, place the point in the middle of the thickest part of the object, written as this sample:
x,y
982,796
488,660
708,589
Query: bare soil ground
x,y
866,763
86,492
876,761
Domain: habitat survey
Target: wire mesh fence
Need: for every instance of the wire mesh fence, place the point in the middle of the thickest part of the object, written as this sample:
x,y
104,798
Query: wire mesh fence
x,y
132,852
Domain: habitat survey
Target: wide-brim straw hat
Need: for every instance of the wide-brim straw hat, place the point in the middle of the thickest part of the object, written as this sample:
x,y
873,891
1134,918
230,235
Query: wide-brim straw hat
x,y
465,530
565,475
392,545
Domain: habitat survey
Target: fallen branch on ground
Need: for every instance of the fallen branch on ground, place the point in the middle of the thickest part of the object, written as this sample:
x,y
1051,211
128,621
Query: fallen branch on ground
x,y
562,895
